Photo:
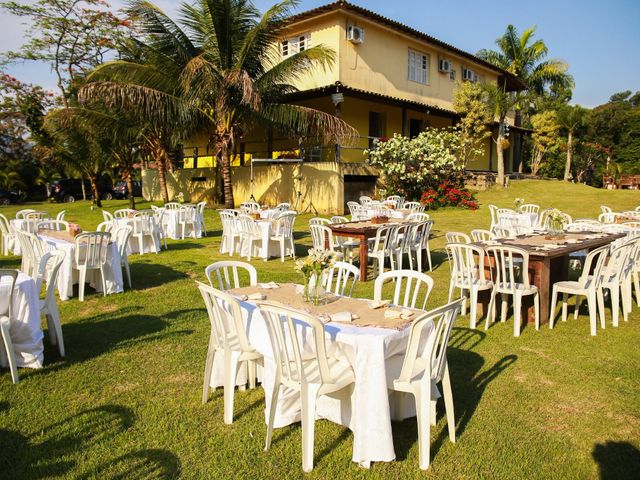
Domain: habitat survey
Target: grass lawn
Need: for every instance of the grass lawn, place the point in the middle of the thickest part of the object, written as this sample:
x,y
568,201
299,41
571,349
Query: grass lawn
x,y
125,403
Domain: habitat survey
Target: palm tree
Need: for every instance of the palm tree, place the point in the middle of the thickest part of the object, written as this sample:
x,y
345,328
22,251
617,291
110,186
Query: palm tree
x,y
524,57
218,68
571,119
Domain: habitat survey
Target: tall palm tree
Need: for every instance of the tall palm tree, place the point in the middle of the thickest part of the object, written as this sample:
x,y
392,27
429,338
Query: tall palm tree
x,y
525,57
220,70
571,118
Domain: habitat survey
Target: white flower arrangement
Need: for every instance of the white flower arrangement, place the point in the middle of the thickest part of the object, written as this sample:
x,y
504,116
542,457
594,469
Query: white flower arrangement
x,y
312,268
518,203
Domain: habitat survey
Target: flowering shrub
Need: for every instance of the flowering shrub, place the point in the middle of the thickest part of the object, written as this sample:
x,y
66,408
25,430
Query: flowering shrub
x,y
448,194
412,166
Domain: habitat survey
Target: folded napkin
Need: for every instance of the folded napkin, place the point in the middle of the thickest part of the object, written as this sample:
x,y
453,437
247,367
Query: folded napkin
x,y
269,285
393,313
572,240
342,317
379,304
253,296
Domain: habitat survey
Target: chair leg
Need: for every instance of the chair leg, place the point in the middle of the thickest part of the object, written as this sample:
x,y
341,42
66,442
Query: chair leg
x,y
636,283
272,412
536,309
230,372
82,278
554,300
429,258
503,310
309,396
576,309
491,311
600,296
593,316
517,314
141,245
104,281
128,271
565,303
251,364
424,429
208,367
8,346
614,295
473,308
625,290
448,404
53,323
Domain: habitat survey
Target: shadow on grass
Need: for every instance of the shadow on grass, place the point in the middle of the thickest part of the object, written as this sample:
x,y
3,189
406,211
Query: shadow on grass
x,y
183,245
617,460
149,275
468,386
50,451
148,463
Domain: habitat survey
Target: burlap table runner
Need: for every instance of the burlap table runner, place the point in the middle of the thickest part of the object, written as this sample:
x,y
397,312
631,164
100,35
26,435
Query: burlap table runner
x,y
540,240
60,235
288,294
368,224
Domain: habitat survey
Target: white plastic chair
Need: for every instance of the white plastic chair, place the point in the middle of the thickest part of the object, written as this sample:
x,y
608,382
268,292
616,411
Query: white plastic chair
x,y
124,213
415,207
172,206
346,244
341,278
425,365
250,233
91,254
410,288
468,275
105,227
226,272
8,235
320,221
48,271
418,217
283,206
121,237
32,219
507,283
321,235
605,209
144,226
616,279
609,217
587,285
420,243
187,217
397,199
230,234
249,207
228,338
21,214
57,225
365,201
200,206
158,215
493,210
457,237
313,374
283,233
381,247
61,214
32,251
479,235
10,277
107,216
530,208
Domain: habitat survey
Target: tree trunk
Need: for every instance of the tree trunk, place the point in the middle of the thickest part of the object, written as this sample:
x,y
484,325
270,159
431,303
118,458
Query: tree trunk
x,y
159,155
500,160
567,167
536,160
226,176
96,192
132,201
84,193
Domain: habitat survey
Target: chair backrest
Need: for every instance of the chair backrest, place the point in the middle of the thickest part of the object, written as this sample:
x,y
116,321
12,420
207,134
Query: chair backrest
x,y
33,218
365,201
172,206
283,206
319,235
397,199
12,276
61,214
227,218
187,214
57,225
144,223
226,318
339,219
341,278
247,225
530,208
383,241
5,226
418,217
48,273
105,226
271,213
120,236
457,237
505,211
582,227
107,216
20,214
507,274
249,207
319,221
200,206
543,217
609,217
593,264
284,224
467,263
226,273
618,263
479,235
493,210
415,207
430,353
410,287
502,232
289,332
124,213
92,249
29,256
605,209
615,228
422,232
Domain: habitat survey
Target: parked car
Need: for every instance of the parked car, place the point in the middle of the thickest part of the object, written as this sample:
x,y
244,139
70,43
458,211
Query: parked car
x,y
121,191
70,189
8,196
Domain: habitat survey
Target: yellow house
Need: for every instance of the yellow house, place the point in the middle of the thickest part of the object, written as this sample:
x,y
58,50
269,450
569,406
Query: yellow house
x,y
387,78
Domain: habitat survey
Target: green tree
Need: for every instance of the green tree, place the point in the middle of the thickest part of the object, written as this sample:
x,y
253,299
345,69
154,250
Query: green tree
x,y
72,36
228,73
544,137
573,120
469,101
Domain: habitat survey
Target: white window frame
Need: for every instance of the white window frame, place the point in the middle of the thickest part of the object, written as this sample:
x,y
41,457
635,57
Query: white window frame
x,y
299,43
418,66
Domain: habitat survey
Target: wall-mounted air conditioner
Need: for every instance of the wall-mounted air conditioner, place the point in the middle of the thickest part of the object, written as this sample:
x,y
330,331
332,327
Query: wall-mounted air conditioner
x,y
355,34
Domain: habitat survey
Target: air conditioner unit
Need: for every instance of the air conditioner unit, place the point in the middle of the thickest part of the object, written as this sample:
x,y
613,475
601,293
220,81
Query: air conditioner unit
x,y
444,65
355,34
468,74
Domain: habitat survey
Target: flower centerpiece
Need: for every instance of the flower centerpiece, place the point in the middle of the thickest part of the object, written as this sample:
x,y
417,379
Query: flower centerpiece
x,y
555,222
518,203
312,269
74,229
379,217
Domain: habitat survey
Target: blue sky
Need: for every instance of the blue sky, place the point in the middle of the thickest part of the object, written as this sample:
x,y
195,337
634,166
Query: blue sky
x,y
599,39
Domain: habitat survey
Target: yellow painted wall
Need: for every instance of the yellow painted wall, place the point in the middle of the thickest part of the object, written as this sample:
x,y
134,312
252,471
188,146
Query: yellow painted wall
x,y
321,185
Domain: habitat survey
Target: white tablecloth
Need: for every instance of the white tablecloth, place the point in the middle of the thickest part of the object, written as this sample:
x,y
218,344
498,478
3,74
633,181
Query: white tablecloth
x,y
16,224
267,248
149,244
172,228
68,276
366,349
371,212
25,330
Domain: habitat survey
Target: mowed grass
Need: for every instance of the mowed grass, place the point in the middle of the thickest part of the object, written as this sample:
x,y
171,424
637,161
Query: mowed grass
x,y
125,402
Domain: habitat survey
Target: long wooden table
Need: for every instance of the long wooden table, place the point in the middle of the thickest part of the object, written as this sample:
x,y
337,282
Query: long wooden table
x,y
363,230
547,267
